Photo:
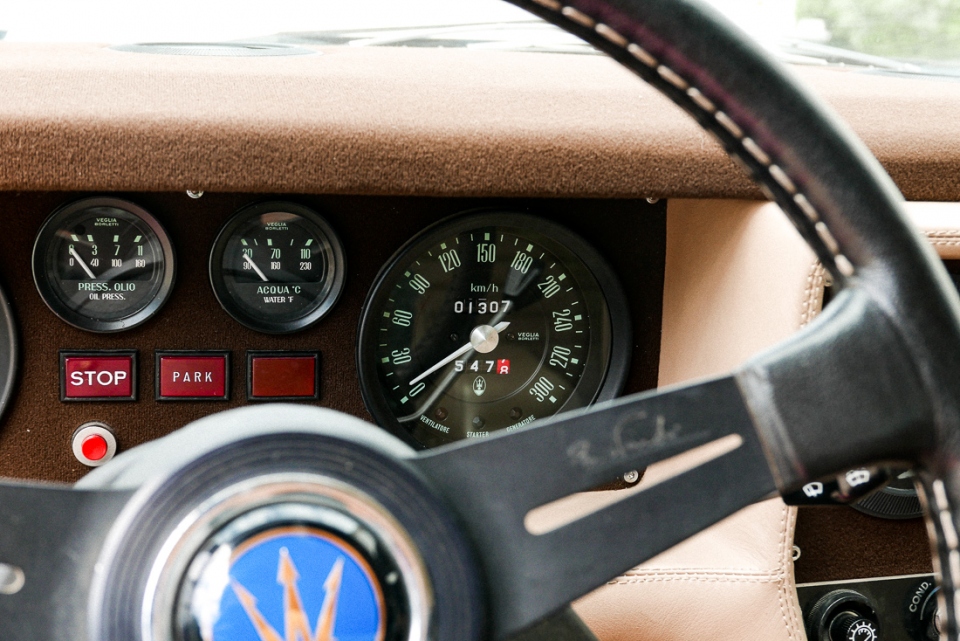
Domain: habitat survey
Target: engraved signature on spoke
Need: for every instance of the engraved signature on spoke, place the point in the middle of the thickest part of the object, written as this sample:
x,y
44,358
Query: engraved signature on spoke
x,y
625,440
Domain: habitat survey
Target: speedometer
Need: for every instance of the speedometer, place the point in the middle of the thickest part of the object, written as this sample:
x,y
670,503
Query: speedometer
x,y
490,321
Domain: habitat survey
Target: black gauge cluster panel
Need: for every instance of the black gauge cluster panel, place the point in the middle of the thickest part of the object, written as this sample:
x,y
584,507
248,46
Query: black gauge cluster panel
x,y
439,319
484,321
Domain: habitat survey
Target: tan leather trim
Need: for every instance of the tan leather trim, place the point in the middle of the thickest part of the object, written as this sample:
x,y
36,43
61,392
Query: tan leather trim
x,y
411,121
738,279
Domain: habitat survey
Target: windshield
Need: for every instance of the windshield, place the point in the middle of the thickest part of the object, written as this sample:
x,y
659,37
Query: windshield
x,y
873,33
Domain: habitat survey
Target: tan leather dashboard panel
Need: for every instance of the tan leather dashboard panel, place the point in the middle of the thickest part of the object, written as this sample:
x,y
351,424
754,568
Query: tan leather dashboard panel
x,y
411,121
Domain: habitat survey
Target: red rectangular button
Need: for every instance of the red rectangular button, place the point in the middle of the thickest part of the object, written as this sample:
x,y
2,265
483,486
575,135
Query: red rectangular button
x,y
193,376
274,376
98,376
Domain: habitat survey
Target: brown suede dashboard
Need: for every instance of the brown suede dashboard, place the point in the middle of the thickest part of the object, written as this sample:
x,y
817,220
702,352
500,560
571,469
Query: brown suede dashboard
x,y
413,121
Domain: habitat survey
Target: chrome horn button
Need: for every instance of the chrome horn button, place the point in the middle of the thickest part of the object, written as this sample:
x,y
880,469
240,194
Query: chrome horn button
x,y
292,570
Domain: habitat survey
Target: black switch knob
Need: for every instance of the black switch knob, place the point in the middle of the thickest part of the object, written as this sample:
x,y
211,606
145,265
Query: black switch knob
x,y
851,626
843,615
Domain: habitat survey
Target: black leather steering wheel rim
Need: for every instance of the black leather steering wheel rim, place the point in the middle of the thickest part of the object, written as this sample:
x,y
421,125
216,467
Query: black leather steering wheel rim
x,y
873,380
843,204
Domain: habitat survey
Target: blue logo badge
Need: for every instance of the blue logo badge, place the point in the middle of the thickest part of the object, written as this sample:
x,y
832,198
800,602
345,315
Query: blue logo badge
x,y
300,584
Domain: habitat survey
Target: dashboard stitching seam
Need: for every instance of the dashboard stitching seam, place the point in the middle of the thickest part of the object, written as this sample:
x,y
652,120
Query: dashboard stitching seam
x,y
702,578
697,99
730,572
780,571
789,601
813,294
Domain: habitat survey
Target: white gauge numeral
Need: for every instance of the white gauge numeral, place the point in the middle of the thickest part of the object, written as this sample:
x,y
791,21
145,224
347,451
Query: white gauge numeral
x,y
541,390
304,253
560,356
562,321
522,262
419,284
486,253
449,260
401,356
549,287
402,318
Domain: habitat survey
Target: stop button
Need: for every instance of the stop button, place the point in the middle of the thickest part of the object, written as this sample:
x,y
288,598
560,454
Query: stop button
x,y
98,376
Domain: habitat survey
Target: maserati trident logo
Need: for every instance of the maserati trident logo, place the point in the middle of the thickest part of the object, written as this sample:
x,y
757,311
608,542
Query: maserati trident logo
x,y
333,583
296,626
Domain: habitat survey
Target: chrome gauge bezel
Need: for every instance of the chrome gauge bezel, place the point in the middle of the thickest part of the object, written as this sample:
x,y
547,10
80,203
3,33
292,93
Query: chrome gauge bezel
x,y
334,256
49,291
617,340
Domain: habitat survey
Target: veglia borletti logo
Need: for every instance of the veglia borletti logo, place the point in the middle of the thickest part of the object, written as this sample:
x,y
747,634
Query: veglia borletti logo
x,y
300,584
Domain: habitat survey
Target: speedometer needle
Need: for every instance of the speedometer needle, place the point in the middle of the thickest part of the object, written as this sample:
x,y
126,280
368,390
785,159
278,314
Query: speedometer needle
x,y
73,252
483,339
255,268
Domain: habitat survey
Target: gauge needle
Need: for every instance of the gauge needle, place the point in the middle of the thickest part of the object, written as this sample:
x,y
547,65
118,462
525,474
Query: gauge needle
x,y
255,268
483,339
73,252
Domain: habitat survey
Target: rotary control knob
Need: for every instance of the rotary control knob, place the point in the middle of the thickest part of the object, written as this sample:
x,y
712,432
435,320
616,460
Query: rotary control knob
x,y
843,615
850,626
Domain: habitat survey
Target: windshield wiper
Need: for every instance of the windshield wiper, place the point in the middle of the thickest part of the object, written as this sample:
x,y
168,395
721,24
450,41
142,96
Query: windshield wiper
x,y
525,35
803,51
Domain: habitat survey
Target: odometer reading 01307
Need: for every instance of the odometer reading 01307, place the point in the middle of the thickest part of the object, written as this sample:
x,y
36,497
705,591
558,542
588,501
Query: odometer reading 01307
x,y
490,321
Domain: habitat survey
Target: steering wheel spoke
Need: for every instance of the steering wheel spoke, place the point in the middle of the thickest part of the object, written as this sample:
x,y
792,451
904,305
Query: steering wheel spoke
x,y
842,394
50,537
531,575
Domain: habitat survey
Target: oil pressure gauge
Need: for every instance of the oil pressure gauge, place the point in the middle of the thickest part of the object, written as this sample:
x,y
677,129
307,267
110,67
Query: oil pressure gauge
x,y
277,267
103,264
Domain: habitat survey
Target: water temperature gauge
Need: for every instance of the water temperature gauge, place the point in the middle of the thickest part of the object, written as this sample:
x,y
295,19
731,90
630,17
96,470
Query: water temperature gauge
x,y
103,264
277,267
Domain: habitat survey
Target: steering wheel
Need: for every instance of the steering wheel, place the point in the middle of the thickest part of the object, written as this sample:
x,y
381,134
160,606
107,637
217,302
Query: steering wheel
x,y
143,547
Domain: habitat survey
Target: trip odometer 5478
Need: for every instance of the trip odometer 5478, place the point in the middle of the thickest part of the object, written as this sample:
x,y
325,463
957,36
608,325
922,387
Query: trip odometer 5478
x,y
490,321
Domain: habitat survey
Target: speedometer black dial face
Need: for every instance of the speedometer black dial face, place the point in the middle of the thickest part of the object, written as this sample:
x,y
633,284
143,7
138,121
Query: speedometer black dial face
x,y
277,267
103,264
490,321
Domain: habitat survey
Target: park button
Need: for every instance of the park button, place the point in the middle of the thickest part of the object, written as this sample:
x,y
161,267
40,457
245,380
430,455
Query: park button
x,y
193,376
